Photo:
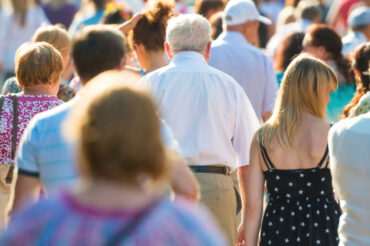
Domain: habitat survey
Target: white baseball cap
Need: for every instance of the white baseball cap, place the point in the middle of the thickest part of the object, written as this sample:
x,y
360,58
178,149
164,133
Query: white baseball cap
x,y
240,11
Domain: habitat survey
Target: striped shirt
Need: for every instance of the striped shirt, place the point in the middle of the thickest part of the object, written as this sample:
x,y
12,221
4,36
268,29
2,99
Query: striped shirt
x,y
45,153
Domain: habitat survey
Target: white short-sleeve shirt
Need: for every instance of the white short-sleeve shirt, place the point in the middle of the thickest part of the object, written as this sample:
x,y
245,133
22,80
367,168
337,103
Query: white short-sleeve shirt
x,y
207,110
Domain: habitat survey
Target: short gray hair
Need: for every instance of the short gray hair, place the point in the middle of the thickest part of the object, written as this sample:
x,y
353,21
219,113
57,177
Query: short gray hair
x,y
189,32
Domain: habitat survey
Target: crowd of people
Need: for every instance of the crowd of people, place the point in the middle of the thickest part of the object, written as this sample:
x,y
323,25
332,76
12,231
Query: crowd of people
x,y
179,122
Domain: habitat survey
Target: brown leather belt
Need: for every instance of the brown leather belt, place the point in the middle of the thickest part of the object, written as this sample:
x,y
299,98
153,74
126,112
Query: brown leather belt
x,y
211,169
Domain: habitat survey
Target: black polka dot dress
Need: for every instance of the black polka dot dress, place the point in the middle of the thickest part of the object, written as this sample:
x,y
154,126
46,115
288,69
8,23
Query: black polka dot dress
x,y
301,208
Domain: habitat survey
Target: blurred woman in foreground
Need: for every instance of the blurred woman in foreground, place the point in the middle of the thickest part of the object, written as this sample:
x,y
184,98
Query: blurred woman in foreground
x,y
123,165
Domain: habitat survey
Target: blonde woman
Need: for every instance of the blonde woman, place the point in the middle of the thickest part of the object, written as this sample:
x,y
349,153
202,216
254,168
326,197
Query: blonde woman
x,y
124,165
290,154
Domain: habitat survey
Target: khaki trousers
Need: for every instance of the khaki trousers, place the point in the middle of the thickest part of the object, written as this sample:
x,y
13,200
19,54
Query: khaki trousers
x,y
6,194
218,195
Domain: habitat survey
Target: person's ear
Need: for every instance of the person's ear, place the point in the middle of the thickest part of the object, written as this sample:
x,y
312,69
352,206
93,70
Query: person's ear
x,y
322,52
168,50
207,52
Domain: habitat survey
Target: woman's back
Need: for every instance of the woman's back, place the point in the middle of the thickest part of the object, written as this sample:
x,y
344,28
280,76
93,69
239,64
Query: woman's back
x,y
301,208
307,149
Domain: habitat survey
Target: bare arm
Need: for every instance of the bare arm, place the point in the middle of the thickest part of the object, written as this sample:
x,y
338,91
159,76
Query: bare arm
x,y
27,190
130,24
183,181
242,176
253,204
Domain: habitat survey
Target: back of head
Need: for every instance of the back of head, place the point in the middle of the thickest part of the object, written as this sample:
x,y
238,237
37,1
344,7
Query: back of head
x,y
327,37
309,10
55,35
217,25
96,49
118,131
150,31
303,89
205,7
290,47
116,13
361,65
189,32
37,63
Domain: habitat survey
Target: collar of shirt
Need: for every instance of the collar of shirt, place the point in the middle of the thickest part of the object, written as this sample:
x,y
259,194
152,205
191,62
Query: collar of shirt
x,y
188,55
236,38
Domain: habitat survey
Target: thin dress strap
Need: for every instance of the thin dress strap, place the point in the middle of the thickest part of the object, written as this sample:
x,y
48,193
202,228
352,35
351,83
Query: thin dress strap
x,y
327,151
266,158
324,158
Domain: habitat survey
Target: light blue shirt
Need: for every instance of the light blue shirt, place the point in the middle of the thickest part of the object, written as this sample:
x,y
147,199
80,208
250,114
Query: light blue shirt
x,y
45,152
249,66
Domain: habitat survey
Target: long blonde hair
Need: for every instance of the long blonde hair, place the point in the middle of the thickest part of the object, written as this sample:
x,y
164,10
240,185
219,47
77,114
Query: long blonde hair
x,y
302,89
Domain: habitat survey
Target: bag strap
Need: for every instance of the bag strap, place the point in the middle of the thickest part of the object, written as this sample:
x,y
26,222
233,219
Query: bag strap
x,y
122,234
9,176
2,98
15,125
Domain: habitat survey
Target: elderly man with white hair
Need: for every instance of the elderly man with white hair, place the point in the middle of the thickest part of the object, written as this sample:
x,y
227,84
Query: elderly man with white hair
x,y
209,113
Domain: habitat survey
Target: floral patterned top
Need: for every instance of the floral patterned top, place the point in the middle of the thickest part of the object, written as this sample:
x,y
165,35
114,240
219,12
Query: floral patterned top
x,y
28,106
65,92
362,107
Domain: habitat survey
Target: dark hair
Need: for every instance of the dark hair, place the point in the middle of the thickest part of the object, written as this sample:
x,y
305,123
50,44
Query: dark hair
x,y
361,64
150,31
99,4
288,50
216,24
96,49
117,14
202,7
325,36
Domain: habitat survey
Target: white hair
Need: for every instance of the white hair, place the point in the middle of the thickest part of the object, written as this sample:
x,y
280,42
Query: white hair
x,y
188,32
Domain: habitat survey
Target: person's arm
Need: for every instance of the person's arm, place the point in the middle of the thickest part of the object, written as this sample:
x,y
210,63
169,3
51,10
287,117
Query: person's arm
x,y
242,177
253,199
183,182
27,190
28,186
130,24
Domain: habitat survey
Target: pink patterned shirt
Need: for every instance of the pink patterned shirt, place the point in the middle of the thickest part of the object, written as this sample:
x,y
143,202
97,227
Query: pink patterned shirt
x,y
28,106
